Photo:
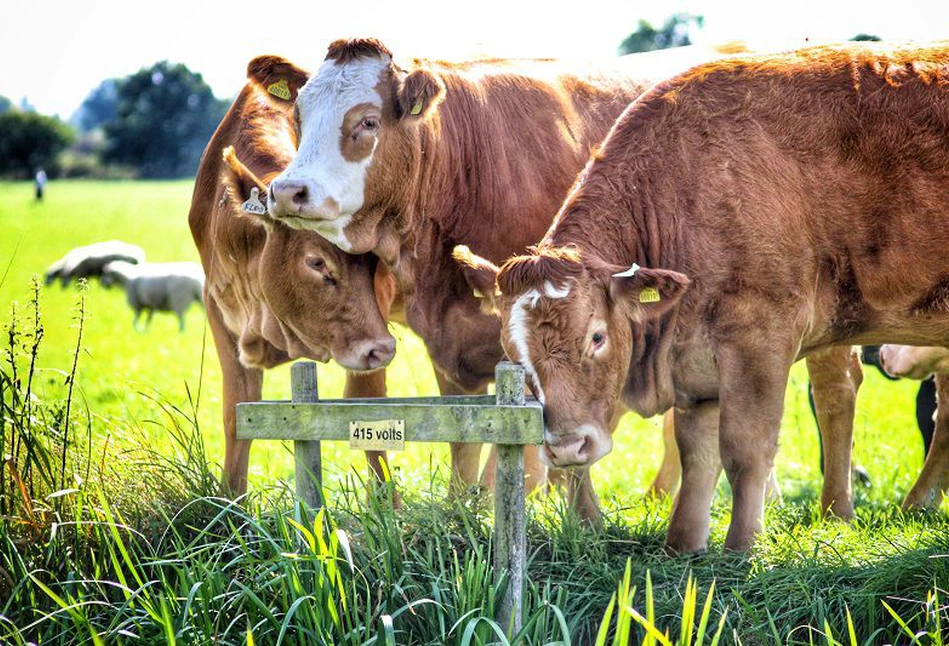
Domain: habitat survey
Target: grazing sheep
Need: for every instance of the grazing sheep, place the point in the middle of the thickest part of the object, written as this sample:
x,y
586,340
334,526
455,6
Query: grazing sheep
x,y
88,261
162,286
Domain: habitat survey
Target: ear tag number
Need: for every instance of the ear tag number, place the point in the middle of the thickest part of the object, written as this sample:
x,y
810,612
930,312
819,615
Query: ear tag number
x,y
384,435
417,108
280,89
649,295
253,205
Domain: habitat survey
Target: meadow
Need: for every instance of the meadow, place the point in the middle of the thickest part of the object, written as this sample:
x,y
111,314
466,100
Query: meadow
x,y
116,535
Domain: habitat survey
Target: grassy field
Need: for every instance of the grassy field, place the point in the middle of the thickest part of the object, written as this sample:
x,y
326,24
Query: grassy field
x,y
422,566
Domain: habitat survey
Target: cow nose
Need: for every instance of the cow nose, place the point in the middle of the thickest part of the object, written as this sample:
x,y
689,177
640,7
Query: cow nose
x,y
288,195
380,353
572,450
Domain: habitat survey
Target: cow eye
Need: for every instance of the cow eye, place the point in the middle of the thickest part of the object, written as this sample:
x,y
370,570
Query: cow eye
x,y
315,263
370,123
598,339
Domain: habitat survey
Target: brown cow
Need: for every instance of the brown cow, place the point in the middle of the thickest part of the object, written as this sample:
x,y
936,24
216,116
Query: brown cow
x,y
408,162
778,205
274,294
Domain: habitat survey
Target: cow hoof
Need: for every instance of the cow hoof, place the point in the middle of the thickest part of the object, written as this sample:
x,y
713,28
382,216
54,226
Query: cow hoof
x,y
682,546
920,501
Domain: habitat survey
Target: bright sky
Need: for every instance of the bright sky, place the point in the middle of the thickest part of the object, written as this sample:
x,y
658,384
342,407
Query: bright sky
x,y
55,52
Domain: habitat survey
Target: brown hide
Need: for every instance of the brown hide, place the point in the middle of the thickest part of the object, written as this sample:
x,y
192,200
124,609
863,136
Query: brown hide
x,y
486,168
806,198
274,294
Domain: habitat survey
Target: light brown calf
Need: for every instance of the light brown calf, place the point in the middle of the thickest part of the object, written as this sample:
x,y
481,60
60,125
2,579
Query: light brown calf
x,y
274,294
739,216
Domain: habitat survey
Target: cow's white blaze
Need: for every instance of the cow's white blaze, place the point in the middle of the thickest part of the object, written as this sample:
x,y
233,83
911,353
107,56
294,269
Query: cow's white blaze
x,y
518,328
319,163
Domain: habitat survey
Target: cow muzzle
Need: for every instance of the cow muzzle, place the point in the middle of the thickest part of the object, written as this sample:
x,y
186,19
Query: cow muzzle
x,y
295,198
579,448
367,355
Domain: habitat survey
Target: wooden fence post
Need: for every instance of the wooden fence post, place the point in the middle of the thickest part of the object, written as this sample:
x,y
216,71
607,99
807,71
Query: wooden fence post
x,y
510,541
306,453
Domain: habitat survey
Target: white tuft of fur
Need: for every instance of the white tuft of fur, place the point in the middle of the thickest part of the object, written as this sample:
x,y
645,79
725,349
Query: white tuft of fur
x,y
550,291
517,329
629,273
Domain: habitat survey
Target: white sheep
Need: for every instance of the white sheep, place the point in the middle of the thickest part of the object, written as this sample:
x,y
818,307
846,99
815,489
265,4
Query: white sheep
x,y
157,286
88,261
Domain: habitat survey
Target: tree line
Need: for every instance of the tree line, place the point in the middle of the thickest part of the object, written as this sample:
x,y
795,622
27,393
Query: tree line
x,y
155,123
151,124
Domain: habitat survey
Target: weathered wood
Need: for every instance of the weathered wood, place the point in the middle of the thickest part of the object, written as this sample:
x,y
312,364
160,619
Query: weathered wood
x,y
423,422
307,460
510,542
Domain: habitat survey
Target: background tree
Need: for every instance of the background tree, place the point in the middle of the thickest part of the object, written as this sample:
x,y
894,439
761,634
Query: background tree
x,y
98,108
165,116
673,33
869,37
29,141
5,104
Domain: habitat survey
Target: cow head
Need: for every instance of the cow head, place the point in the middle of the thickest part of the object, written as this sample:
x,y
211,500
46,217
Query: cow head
x,y
324,302
358,107
570,321
913,362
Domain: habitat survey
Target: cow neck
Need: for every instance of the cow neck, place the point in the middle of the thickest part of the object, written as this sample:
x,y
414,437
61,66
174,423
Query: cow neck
x,y
462,340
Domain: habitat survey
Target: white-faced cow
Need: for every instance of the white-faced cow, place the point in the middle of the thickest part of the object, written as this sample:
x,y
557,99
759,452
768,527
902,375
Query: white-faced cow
x,y
274,294
739,216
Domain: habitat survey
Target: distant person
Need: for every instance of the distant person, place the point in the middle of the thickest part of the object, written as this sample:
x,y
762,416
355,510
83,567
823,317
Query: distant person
x,y
40,184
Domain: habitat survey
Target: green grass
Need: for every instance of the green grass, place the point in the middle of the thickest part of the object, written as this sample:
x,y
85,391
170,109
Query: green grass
x,y
139,546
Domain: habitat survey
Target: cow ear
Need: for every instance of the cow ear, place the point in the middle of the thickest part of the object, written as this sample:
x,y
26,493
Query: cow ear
x,y
418,95
247,194
280,79
647,293
481,274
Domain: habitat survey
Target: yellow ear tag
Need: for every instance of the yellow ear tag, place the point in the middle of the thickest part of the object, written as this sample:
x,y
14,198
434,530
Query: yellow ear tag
x,y
280,89
649,295
417,108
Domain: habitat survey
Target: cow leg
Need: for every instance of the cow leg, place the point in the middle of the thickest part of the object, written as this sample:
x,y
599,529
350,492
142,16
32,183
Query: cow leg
x,y
836,376
667,480
753,382
241,384
696,433
371,384
934,478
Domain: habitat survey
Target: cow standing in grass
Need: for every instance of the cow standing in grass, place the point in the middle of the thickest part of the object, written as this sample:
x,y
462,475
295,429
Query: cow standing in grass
x,y
274,294
409,162
738,217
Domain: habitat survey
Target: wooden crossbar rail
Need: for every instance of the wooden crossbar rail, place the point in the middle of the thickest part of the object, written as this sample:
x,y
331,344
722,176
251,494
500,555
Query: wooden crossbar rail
x,y
507,420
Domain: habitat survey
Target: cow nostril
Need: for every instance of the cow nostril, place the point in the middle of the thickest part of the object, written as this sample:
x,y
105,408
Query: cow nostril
x,y
546,417
300,196
586,448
